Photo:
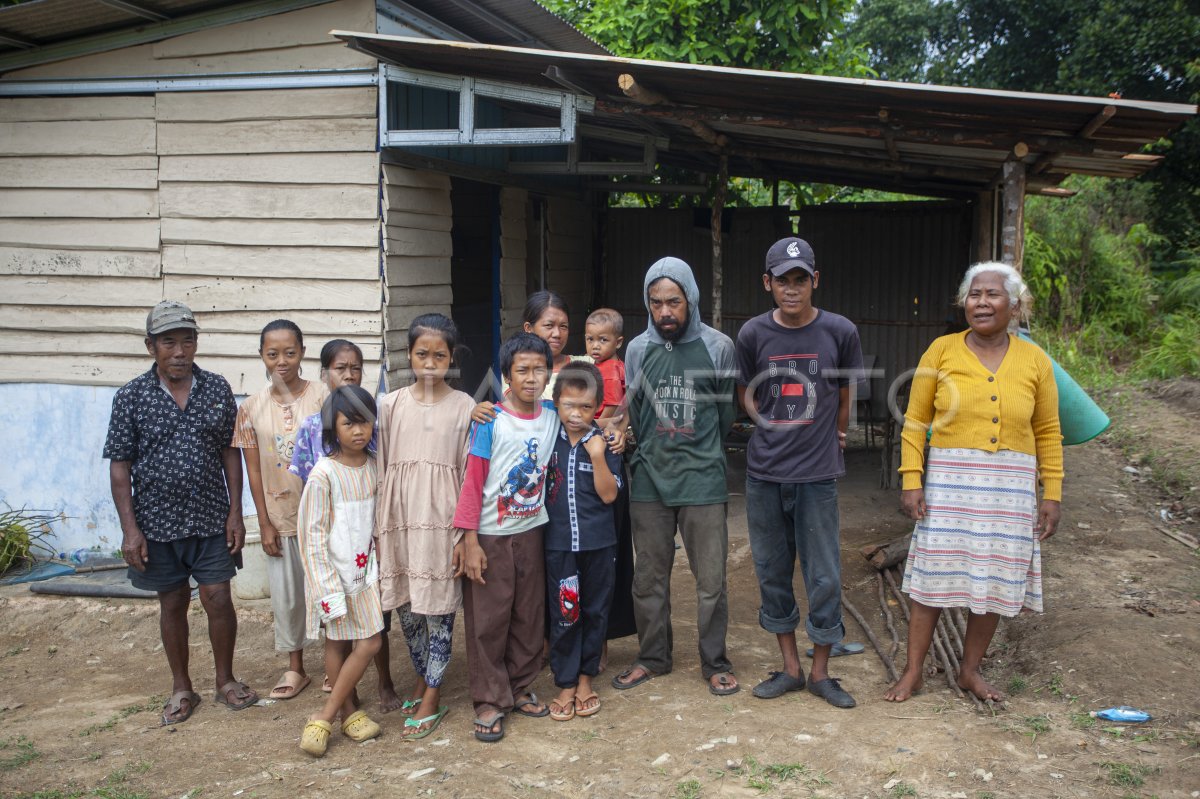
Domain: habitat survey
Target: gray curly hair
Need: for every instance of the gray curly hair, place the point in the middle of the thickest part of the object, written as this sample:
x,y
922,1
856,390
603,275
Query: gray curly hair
x,y
1019,298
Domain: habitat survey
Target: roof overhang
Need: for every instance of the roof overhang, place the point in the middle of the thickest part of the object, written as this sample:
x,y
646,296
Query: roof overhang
x,y
916,138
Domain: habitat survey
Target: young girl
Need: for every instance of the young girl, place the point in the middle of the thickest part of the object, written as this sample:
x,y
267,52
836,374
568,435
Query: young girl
x,y
266,433
341,577
342,365
423,454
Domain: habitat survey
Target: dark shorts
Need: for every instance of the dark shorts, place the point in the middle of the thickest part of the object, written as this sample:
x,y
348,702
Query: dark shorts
x,y
171,563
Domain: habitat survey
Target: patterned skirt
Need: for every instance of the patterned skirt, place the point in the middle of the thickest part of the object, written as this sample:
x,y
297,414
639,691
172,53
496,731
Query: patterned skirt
x,y
976,547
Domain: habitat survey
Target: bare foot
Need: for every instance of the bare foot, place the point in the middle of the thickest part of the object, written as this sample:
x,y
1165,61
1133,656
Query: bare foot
x,y
973,681
906,686
388,700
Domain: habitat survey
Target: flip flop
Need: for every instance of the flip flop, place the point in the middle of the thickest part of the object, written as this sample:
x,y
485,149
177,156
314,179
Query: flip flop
x,y
839,649
409,706
531,699
724,686
621,685
564,712
174,705
325,685
581,707
243,693
414,723
289,685
490,737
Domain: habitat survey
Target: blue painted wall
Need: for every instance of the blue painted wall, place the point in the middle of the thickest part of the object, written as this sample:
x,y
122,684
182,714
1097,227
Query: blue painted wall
x,y
51,438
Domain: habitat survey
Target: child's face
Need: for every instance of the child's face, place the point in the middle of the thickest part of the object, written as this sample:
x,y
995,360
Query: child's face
x,y
352,436
576,409
527,377
601,342
429,358
281,353
345,370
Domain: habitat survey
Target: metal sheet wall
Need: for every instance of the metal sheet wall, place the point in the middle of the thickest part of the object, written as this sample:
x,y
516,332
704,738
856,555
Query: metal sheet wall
x,y
891,268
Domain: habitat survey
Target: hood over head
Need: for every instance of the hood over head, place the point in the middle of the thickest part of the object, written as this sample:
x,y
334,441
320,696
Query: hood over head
x,y
678,271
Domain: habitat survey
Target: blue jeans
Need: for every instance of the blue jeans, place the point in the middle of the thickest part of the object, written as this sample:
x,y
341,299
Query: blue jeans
x,y
787,520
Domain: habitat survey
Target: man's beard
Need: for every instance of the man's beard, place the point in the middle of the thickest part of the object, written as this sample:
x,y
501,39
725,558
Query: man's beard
x,y
673,335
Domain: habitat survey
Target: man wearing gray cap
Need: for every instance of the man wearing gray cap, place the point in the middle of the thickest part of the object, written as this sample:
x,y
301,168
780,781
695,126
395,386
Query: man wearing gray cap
x,y
177,485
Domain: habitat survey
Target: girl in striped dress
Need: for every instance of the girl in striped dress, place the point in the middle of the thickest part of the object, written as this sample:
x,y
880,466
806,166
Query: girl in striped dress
x,y
341,578
990,400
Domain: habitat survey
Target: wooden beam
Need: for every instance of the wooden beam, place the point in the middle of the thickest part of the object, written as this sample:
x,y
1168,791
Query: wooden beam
x,y
644,95
1012,226
983,232
1088,131
718,208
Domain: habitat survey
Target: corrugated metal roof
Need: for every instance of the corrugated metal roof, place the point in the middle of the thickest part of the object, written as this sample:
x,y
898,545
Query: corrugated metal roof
x,y
39,23
939,140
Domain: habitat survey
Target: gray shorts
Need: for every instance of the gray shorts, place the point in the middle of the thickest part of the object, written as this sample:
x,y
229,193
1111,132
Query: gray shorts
x,y
171,563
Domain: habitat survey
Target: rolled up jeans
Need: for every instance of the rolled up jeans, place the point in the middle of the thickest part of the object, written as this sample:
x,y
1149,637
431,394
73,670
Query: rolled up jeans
x,y
789,521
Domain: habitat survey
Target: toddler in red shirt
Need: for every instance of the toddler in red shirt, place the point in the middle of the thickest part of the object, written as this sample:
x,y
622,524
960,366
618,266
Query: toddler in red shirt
x,y
602,338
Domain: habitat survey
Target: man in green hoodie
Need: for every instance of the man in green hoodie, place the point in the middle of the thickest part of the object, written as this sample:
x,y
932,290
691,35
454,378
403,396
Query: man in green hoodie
x,y
680,377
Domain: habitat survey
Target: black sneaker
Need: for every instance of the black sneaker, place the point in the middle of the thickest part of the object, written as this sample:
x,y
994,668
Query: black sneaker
x,y
778,684
831,691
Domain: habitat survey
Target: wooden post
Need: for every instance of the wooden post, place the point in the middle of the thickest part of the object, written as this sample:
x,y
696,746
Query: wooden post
x,y
1012,229
984,227
718,208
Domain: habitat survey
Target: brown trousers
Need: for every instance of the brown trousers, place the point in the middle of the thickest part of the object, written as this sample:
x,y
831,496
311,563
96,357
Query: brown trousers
x,y
506,620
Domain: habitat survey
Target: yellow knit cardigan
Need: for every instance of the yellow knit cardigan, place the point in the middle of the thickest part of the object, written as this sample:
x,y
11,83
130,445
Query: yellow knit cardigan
x,y
1016,408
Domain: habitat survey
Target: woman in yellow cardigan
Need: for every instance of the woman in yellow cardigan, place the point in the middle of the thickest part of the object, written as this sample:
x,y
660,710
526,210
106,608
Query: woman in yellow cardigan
x,y
992,404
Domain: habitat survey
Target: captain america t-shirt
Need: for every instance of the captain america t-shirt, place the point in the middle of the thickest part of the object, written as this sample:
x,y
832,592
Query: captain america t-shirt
x,y
506,472
795,375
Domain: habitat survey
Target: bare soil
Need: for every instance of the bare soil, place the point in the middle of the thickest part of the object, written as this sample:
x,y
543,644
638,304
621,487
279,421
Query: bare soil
x,y
81,681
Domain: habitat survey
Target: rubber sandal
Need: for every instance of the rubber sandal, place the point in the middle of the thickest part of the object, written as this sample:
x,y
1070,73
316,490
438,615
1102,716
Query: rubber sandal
x,y
724,686
621,685
175,704
530,699
840,650
490,737
289,685
414,724
244,693
409,706
359,727
325,686
581,707
315,738
564,712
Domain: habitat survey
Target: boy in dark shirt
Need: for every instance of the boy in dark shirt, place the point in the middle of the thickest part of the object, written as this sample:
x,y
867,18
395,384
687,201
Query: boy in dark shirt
x,y
580,542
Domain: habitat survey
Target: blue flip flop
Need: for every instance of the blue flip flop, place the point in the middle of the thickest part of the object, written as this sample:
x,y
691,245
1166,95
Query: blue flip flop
x,y
839,649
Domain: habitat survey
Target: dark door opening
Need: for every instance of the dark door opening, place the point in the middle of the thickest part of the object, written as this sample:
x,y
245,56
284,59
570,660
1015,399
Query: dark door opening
x,y
474,274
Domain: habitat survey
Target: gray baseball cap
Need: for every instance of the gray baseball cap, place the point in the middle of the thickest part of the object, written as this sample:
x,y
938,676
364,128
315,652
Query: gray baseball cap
x,y
169,315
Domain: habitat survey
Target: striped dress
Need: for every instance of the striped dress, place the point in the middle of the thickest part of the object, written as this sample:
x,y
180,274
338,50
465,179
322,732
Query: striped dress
x,y
976,547
336,525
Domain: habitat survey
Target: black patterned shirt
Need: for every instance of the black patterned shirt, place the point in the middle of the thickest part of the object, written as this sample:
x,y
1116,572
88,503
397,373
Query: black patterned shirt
x,y
178,478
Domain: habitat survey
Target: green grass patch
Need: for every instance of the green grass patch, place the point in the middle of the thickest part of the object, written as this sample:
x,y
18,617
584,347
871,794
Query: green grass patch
x,y
1127,775
688,789
765,777
1082,721
16,752
901,789
153,703
1017,684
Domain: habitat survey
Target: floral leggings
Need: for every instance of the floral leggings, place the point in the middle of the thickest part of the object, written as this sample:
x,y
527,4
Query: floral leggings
x,y
428,639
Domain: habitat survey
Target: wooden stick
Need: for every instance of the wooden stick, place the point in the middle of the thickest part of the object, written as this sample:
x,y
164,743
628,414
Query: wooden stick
x,y
891,581
960,620
952,633
887,615
950,676
887,661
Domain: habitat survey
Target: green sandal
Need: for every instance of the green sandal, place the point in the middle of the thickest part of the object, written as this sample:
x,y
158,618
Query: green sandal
x,y
409,706
414,724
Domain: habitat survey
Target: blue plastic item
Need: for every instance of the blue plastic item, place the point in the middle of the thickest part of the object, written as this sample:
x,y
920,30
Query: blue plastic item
x,y
1080,417
1125,713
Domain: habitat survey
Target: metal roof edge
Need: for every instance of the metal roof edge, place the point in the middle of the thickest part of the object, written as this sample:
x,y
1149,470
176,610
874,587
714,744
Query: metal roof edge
x,y
1173,109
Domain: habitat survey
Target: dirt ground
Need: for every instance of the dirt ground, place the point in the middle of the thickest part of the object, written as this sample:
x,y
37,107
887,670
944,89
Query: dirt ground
x,y
81,681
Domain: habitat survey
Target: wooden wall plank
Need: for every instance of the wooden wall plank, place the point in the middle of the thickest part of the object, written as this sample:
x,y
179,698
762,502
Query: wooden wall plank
x,y
353,325
100,137
75,109
418,199
75,234
79,203
419,295
266,136
350,263
396,175
267,201
356,168
304,26
80,172
331,103
284,232
404,241
282,295
94,263
398,317
210,345
437,223
95,291
417,270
